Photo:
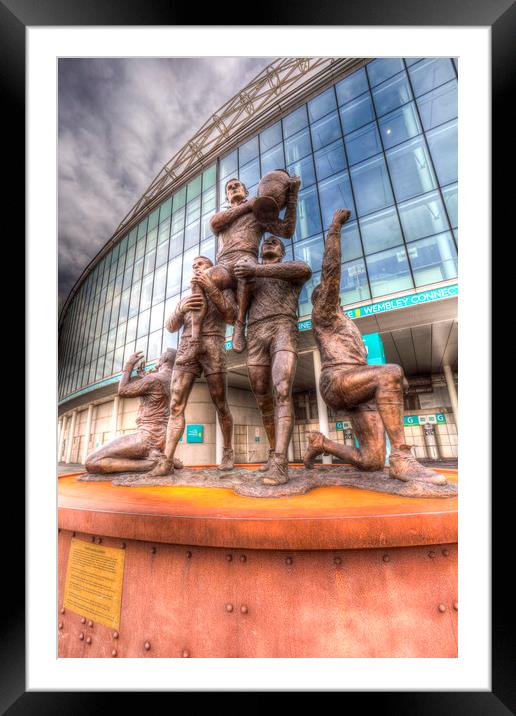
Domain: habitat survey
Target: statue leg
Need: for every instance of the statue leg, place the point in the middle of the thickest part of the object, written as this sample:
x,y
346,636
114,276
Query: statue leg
x,y
369,431
245,289
385,384
180,389
217,387
283,371
260,380
127,453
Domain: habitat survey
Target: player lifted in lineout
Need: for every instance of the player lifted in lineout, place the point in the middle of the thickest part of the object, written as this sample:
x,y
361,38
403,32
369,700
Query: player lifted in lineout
x,y
371,395
239,232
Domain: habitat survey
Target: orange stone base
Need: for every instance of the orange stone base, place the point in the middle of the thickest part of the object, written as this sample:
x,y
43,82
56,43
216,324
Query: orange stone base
x,y
379,578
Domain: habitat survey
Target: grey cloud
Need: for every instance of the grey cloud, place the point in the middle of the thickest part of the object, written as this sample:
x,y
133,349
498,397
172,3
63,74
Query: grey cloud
x,y
120,121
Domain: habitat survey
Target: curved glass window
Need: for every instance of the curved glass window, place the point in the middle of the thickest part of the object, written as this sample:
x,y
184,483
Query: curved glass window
x,y
389,271
353,282
297,147
330,160
371,186
295,121
400,125
322,104
350,87
308,215
303,169
325,131
443,146
429,74
380,231
270,137
433,259
335,193
411,170
439,105
450,194
392,94
383,68
423,216
363,143
273,159
357,113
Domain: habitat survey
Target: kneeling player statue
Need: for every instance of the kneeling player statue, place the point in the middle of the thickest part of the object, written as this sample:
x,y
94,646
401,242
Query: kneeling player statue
x,y
139,451
371,395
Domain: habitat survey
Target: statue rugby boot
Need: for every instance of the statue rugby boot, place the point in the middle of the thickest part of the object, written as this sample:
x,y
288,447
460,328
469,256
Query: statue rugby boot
x,y
266,465
278,471
228,460
314,448
238,339
404,466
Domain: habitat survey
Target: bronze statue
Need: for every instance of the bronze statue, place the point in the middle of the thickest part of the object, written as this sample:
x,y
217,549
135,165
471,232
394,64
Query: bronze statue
x,y
371,395
141,450
272,346
219,308
238,232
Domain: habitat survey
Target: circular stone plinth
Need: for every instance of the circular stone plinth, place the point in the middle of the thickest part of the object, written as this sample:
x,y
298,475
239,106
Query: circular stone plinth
x,y
249,482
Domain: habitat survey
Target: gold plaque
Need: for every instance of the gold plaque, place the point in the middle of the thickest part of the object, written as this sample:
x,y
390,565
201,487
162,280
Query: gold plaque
x,y
93,586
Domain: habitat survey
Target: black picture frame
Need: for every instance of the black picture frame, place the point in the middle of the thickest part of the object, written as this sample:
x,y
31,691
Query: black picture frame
x,y
500,16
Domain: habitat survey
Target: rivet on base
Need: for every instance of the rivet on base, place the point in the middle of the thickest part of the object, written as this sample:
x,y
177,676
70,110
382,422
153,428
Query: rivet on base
x,y
185,653
113,653
289,560
442,608
229,607
98,540
83,620
386,558
244,609
81,636
337,560
243,558
431,554
60,625
189,555
446,552
229,557
115,635
62,610
146,646
153,550
88,640
456,606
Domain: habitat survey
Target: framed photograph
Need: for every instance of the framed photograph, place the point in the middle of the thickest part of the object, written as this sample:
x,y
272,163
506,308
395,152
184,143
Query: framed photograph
x,y
478,44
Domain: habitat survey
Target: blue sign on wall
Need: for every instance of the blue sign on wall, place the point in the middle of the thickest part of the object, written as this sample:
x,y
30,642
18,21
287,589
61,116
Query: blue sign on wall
x,y
194,433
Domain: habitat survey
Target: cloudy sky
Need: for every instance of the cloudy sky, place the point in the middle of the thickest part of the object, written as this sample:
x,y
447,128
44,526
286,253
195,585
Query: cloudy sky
x,y
120,121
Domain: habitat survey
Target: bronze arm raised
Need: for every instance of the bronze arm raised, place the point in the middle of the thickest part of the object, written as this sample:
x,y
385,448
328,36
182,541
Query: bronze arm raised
x,y
286,227
138,387
328,295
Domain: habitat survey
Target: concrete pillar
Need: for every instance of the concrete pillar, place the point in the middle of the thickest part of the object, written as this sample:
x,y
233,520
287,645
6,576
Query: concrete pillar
x,y
432,447
219,440
69,439
62,432
452,391
322,410
85,450
114,417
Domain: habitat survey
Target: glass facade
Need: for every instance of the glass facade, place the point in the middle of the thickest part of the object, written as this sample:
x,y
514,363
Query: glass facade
x,y
381,142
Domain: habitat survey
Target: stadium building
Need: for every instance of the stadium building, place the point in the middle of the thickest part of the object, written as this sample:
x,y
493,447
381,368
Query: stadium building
x,y
377,136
